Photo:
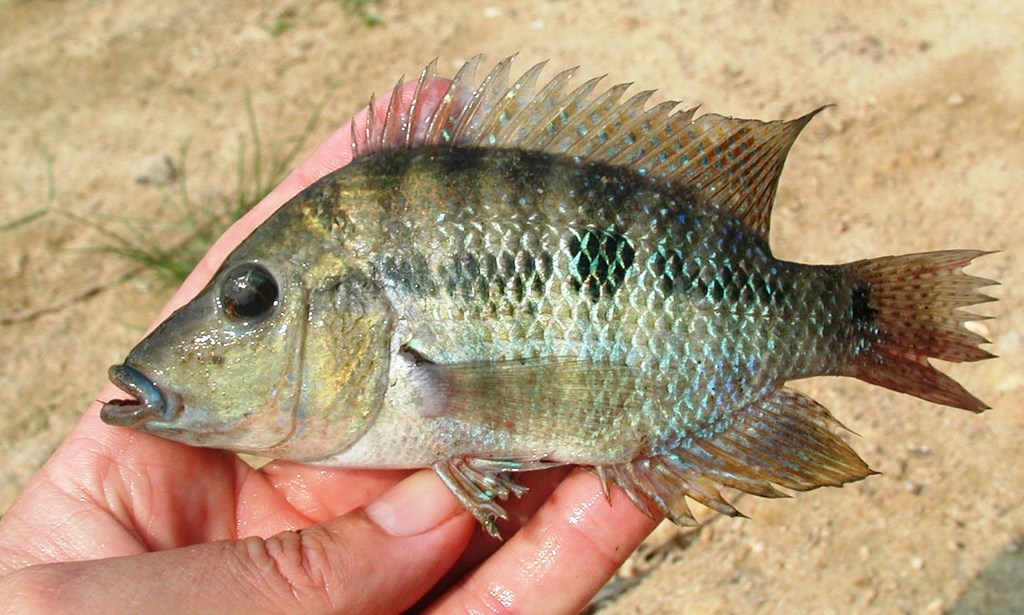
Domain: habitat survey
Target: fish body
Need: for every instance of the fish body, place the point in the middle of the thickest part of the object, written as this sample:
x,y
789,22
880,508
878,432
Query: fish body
x,y
582,294
518,278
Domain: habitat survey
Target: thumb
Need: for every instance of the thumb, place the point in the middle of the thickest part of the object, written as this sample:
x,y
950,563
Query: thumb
x,y
379,559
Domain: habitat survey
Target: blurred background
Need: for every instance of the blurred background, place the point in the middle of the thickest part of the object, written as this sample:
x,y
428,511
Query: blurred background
x,y
134,131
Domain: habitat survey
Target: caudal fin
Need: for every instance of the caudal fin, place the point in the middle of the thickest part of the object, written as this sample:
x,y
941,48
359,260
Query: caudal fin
x,y
906,309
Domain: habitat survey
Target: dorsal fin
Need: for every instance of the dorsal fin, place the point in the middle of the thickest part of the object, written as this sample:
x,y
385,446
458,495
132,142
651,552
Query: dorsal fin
x,y
733,164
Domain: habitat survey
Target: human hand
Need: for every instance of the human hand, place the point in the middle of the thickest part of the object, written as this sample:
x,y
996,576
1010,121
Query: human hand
x,y
121,521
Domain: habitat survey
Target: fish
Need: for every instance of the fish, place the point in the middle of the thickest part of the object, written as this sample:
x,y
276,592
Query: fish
x,y
520,276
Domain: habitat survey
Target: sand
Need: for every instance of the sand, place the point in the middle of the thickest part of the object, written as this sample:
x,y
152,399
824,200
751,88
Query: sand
x,y
922,150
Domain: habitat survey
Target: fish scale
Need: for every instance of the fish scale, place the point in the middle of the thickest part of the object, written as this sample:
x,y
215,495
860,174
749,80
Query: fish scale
x,y
599,322
510,277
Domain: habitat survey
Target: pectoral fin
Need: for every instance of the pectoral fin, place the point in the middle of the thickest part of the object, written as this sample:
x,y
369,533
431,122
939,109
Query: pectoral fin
x,y
545,394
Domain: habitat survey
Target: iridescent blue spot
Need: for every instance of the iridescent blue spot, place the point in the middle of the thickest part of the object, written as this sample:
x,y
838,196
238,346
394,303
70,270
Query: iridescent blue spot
x,y
599,261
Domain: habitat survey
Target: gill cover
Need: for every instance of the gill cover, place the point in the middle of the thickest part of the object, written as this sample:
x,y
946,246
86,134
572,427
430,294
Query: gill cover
x,y
284,353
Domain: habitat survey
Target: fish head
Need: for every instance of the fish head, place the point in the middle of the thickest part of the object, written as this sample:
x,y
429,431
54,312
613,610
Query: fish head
x,y
223,370
283,354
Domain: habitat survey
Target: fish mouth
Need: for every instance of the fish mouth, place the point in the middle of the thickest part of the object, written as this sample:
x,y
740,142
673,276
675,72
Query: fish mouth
x,y
149,401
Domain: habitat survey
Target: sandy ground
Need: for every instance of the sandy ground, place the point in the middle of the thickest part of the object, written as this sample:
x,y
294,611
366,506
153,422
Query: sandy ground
x,y
923,150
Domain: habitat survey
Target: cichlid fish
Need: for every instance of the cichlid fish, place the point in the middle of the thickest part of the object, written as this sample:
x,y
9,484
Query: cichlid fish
x,y
521,277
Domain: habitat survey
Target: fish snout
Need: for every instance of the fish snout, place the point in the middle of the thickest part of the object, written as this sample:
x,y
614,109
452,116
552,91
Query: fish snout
x,y
150,402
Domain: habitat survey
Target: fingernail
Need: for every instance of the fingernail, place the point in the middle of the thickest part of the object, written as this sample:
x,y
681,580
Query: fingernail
x,y
415,505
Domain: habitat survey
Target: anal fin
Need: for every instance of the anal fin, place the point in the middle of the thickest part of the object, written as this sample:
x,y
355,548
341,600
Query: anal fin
x,y
784,439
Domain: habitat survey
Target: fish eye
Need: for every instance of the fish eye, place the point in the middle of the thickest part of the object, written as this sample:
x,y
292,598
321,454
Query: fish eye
x,y
249,292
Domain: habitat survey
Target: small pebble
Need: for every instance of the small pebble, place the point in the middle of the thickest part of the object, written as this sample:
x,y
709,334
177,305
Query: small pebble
x,y
871,595
921,451
917,563
703,605
955,99
158,170
929,152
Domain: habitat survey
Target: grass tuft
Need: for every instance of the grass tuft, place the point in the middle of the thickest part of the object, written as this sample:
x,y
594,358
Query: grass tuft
x,y
196,227
190,228
365,10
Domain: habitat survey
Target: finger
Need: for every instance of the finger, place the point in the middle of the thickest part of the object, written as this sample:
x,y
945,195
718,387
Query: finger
x,y
318,493
379,559
559,559
540,484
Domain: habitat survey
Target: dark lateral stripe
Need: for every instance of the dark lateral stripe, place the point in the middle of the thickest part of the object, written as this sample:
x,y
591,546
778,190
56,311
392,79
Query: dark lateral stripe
x,y
460,162
390,171
523,171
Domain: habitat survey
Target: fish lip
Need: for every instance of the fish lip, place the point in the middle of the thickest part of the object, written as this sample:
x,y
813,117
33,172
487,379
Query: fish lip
x,y
150,401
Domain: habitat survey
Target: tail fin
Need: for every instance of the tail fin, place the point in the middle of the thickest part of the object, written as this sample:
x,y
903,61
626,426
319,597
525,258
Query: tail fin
x,y
906,308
